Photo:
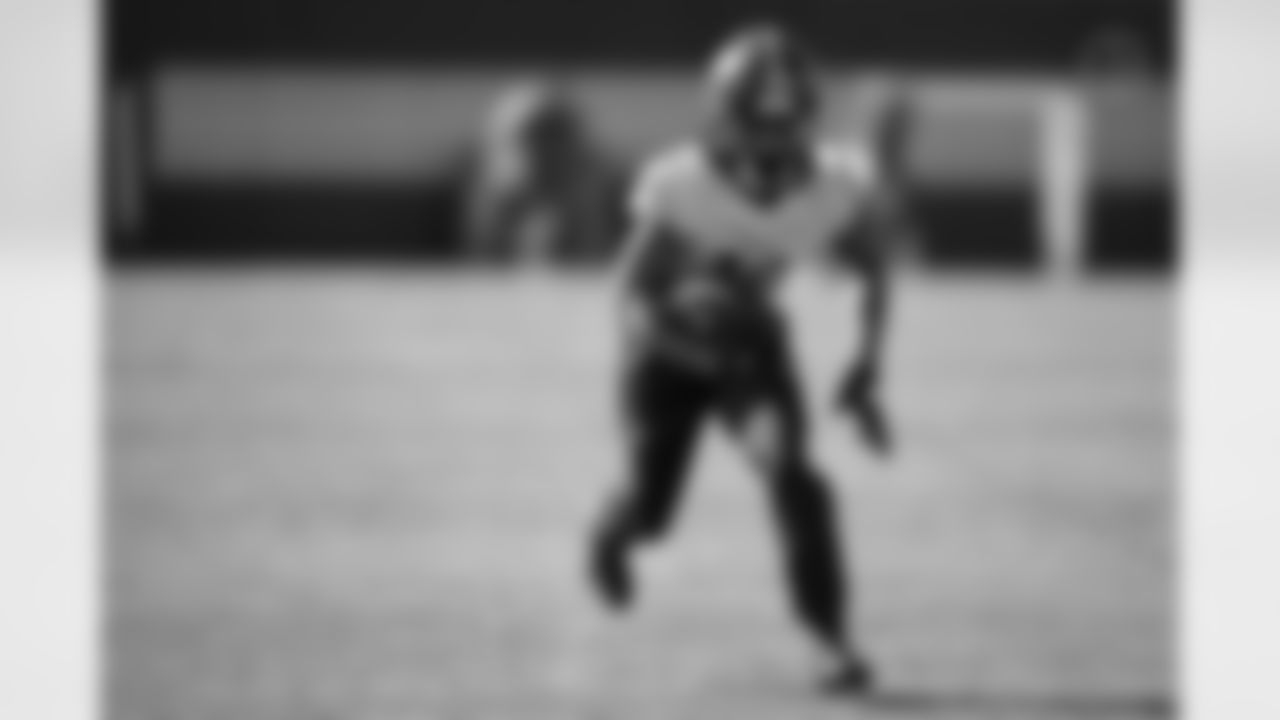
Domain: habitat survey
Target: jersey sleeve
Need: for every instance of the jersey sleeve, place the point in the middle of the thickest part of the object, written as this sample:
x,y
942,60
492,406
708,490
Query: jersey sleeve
x,y
864,237
646,202
653,193
650,246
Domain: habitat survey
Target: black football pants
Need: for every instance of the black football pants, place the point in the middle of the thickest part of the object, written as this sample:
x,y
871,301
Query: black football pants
x,y
758,400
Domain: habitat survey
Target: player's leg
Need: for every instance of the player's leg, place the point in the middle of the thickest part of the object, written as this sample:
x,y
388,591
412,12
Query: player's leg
x,y
663,409
769,424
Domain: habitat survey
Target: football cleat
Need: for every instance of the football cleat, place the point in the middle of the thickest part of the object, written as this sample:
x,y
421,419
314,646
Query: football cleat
x,y
851,676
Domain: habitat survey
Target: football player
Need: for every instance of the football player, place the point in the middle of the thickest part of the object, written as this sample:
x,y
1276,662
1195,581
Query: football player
x,y
716,223
542,188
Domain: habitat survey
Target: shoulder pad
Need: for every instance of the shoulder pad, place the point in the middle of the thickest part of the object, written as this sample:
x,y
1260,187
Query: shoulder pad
x,y
661,178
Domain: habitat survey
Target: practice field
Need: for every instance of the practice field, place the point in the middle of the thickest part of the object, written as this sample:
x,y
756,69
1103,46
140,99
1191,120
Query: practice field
x,y
362,495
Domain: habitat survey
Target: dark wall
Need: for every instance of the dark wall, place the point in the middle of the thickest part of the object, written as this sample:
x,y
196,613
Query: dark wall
x,y
946,33
1126,228
286,222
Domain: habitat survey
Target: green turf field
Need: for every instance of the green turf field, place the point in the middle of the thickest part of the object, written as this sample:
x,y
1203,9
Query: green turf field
x,y
361,495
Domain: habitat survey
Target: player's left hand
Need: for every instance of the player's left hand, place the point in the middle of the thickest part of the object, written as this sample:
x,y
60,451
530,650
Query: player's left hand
x,y
859,396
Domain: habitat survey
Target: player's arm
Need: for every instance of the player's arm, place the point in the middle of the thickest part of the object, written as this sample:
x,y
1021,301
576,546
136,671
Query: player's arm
x,y
652,258
872,262
865,250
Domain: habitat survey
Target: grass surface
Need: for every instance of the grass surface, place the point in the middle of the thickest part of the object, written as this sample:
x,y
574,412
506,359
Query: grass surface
x,y
361,495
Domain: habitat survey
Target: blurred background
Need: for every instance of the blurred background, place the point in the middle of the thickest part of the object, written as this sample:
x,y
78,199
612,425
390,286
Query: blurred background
x,y
1038,133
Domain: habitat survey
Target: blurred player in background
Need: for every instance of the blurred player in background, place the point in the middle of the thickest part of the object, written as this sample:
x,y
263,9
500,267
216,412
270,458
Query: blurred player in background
x,y
542,191
716,223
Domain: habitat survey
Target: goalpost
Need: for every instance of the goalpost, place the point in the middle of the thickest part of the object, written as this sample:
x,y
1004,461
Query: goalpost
x,y
1054,112
1063,179
1112,57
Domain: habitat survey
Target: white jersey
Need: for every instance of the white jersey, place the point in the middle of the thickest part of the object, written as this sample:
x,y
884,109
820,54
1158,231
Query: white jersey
x,y
681,189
